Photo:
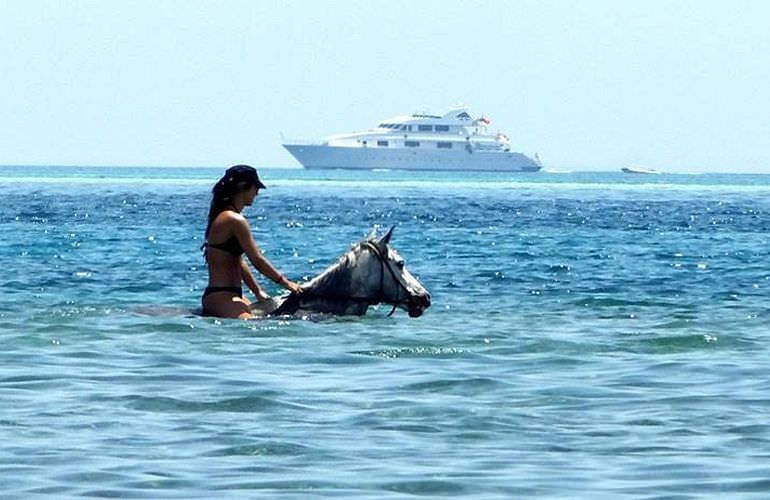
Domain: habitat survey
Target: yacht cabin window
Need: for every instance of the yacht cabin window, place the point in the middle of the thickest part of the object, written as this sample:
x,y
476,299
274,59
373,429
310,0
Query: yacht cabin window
x,y
444,145
442,128
382,143
424,128
412,144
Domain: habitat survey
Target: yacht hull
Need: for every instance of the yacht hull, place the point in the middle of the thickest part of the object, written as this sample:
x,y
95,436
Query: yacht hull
x,y
363,158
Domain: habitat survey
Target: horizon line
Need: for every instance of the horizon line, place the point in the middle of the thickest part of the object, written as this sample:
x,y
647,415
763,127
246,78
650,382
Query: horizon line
x,y
545,169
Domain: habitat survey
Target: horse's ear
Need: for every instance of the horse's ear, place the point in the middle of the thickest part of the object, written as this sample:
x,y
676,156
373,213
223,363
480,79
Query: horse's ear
x,y
383,242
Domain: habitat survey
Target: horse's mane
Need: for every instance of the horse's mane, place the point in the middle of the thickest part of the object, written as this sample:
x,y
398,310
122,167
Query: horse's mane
x,y
336,277
333,281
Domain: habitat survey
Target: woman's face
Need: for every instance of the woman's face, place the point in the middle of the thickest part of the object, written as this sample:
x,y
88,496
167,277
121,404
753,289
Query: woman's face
x,y
250,194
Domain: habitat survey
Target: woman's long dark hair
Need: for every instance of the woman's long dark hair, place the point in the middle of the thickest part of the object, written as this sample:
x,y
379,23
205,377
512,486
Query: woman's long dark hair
x,y
236,178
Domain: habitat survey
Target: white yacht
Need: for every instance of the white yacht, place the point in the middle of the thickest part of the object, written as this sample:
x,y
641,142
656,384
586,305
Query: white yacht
x,y
634,170
453,141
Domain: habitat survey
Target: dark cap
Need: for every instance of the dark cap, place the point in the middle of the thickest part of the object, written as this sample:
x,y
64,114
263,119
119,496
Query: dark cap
x,y
244,173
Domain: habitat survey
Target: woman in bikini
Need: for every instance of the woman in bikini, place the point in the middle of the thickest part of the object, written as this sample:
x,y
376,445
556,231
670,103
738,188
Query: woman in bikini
x,y
228,237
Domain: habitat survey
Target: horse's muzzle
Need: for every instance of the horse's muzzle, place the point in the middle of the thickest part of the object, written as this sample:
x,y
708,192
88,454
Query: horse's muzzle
x,y
418,304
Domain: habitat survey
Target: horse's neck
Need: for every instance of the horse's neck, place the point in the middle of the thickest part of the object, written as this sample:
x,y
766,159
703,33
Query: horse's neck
x,y
337,307
344,288
341,279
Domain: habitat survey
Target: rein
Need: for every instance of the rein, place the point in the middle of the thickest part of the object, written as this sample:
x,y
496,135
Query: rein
x,y
385,265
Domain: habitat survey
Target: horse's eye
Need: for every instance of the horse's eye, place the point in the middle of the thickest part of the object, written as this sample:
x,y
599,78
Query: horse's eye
x,y
400,264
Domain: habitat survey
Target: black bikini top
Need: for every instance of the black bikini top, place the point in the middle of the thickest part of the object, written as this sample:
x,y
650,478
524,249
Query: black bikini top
x,y
231,246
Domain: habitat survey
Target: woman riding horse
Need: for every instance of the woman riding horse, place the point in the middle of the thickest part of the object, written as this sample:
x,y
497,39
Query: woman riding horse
x,y
227,238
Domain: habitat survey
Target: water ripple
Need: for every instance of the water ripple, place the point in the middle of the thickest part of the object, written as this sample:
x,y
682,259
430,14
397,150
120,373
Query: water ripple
x,y
590,335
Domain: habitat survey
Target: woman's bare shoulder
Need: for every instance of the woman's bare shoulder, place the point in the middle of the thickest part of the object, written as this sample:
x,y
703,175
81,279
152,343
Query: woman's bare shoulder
x,y
230,217
226,224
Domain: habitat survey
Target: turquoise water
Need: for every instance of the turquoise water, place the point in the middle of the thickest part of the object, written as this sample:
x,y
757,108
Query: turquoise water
x,y
591,335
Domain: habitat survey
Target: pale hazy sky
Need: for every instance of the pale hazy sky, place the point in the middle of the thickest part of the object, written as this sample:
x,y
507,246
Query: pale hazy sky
x,y
589,85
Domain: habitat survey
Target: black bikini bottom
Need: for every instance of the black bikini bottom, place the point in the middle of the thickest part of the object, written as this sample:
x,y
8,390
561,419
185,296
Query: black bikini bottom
x,y
213,289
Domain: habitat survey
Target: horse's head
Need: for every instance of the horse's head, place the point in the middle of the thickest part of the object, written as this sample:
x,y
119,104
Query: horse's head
x,y
386,275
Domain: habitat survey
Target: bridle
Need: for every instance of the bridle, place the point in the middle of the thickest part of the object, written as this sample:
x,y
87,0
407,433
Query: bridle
x,y
385,264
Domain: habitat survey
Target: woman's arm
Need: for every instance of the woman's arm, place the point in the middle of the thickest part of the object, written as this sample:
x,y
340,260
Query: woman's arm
x,y
243,233
252,283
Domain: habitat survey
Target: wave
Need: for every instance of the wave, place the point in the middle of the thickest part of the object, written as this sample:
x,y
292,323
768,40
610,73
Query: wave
x,y
104,180
496,185
718,185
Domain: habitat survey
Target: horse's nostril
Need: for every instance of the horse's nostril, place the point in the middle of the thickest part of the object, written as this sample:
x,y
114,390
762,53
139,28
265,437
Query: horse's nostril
x,y
418,304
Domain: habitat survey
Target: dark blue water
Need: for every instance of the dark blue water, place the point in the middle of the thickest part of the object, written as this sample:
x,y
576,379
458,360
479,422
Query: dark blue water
x,y
591,335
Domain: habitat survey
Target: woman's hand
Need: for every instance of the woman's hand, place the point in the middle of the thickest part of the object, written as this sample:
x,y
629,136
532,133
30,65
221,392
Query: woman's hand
x,y
293,287
262,296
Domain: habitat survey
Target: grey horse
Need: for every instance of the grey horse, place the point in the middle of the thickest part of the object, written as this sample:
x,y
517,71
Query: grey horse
x,y
370,273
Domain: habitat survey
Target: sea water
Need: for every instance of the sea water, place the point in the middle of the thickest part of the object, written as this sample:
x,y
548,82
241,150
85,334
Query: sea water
x,y
595,335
